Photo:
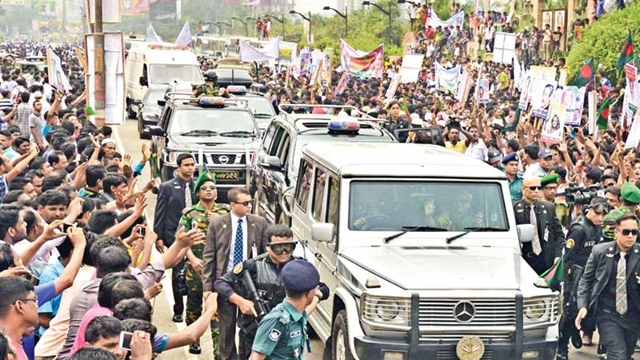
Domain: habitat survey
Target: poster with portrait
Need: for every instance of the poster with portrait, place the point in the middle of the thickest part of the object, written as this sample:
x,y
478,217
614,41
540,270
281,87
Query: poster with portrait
x,y
559,16
553,126
483,91
569,98
524,91
541,98
547,19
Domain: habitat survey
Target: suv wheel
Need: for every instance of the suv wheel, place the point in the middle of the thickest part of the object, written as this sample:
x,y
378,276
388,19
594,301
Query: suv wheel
x,y
340,336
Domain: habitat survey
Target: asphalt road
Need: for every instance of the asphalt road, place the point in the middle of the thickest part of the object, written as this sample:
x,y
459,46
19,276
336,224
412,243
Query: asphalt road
x,y
129,142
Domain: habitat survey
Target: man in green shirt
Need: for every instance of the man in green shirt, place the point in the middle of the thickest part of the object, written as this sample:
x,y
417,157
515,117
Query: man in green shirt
x,y
282,333
199,216
630,200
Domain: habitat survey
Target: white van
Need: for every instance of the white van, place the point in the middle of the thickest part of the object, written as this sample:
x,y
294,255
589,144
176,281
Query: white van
x,y
150,64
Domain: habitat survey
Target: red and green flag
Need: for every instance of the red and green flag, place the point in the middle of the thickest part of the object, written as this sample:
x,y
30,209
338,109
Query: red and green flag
x,y
586,73
627,55
552,277
602,115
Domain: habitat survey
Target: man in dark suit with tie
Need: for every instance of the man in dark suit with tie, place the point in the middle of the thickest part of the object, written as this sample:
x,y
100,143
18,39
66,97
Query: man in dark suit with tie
x,y
231,239
546,247
610,289
173,197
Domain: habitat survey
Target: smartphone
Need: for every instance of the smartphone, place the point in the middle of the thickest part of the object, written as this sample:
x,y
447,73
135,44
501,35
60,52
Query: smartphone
x,y
66,227
34,280
142,231
125,340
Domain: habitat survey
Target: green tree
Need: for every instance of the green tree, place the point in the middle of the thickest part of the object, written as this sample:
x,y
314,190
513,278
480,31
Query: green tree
x,y
603,40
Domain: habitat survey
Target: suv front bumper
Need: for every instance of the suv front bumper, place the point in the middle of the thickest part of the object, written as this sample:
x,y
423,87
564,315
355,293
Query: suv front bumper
x,y
519,348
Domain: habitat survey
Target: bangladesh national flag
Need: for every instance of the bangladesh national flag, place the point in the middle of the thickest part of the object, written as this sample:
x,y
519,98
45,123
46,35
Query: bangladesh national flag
x,y
552,277
602,116
586,73
627,53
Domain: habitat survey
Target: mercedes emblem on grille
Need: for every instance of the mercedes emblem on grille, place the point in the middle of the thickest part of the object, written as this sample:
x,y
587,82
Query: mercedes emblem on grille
x,y
464,312
224,159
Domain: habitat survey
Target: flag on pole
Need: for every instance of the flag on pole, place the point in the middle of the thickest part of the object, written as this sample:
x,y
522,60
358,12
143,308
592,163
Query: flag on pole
x,y
627,55
184,38
602,115
151,35
357,64
586,73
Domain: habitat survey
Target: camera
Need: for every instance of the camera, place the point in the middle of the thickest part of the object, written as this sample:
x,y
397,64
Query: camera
x,y
580,195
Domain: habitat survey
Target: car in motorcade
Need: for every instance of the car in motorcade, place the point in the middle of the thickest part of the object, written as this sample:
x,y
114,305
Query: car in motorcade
x,y
274,171
149,64
149,110
261,107
228,77
221,134
420,249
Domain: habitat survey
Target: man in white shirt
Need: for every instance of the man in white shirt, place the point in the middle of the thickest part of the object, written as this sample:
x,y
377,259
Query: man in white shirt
x,y
476,147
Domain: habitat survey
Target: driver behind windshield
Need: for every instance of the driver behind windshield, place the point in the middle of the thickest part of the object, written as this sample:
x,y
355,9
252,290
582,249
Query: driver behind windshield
x,y
459,214
374,208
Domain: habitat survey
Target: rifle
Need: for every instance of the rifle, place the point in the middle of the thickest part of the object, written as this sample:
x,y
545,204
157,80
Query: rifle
x,y
261,306
569,308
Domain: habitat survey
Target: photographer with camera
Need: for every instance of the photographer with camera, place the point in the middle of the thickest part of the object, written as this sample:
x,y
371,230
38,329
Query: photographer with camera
x,y
584,233
630,200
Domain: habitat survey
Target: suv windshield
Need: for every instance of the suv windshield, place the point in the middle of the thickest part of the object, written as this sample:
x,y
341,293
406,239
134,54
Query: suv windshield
x,y
166,74
218,120
260,106
397,205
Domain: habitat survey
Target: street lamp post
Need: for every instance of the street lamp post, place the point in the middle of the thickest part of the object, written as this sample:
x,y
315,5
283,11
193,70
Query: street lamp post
x,y
344,16
280,20
246,27
388,13
408,2
254,19
307,18
219,25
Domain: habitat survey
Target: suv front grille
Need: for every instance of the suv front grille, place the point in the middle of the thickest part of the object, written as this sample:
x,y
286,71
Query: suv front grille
x,y
455,337
451,355
479,313
225,159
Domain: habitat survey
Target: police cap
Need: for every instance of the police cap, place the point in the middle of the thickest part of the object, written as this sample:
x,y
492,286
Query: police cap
x,y
510,157
549,179
630,192
300,276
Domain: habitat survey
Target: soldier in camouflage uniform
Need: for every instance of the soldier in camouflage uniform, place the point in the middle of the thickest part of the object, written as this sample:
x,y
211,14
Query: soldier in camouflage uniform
x,y
209,88
199,216
630,200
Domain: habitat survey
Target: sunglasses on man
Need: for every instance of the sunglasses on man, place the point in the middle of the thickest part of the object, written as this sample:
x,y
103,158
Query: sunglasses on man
x,y
281,248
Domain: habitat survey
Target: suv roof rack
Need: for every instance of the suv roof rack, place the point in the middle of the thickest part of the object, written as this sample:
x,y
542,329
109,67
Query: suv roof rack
x,y
294,119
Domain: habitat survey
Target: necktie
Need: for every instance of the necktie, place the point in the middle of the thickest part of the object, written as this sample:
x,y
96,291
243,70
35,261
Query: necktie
x,y
535,244
188,202
621,285
238,246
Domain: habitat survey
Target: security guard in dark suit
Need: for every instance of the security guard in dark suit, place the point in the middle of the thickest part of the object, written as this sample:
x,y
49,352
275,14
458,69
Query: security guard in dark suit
x,y
546,247
282,333
173,196
265,274
582,236
610,290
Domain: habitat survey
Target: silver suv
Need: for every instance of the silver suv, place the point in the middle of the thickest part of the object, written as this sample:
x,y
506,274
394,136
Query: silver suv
x,y
421,251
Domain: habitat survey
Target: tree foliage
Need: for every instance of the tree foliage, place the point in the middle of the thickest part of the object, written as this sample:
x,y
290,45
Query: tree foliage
x,y
603,40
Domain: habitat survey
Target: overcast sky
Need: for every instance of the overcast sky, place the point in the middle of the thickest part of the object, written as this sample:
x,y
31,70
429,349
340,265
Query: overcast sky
x,y
314,6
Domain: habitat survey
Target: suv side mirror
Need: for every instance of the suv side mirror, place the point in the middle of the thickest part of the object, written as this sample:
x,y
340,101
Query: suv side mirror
x,y
144,81
526,232
162,102
157,131
322,232
271,163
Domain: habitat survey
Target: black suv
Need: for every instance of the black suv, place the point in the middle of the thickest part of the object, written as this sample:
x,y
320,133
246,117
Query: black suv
x,y
221,134
275,166
260,106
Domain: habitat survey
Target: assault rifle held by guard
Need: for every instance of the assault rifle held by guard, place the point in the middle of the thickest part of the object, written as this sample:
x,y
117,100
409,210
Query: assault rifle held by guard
x,y
570,306
261,306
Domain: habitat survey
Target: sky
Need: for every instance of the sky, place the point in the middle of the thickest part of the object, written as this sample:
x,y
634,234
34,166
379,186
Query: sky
x,y
314,6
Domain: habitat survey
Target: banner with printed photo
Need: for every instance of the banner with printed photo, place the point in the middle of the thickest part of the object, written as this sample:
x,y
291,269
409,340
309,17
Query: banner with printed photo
x,y
464,83
393,86
447,79
634,134
541,98
369,64
523,102
632,91
135,7
327,65
456,20
305,62
482,93
578,107
57,77
553,126
342,83
568,96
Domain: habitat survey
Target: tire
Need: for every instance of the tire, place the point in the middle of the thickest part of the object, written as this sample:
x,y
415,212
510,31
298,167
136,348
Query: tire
x,y
130,113
340,334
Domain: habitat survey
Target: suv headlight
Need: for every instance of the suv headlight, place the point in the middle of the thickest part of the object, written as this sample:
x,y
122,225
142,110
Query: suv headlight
x,y
541,310
386,312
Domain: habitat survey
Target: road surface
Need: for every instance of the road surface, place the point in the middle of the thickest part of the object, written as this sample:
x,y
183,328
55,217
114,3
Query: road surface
x,y
129,142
